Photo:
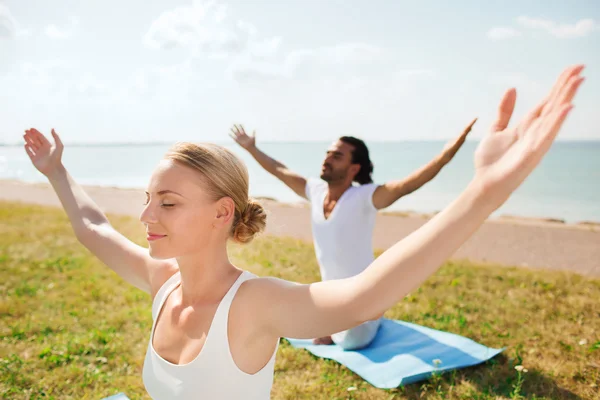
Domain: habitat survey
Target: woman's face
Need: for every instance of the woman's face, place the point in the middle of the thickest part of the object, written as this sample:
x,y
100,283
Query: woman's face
x,y
179,216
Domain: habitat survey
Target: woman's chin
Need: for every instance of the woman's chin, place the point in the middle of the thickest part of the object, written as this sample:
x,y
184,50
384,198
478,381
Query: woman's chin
x,y
159,254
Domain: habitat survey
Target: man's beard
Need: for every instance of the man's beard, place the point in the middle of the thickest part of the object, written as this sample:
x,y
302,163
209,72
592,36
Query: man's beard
x,y
330,175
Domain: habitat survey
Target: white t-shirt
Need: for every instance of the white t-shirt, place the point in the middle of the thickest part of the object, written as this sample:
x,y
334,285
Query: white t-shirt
x,y
344,241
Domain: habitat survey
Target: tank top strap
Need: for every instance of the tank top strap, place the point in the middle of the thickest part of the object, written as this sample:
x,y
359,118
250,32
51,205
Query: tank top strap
x,y
218,328
163,293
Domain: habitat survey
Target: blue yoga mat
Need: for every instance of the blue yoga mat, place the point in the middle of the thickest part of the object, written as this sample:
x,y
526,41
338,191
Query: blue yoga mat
x,y
403,353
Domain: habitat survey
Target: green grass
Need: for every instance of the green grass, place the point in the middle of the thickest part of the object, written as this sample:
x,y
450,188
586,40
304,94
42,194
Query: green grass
x,y
70,328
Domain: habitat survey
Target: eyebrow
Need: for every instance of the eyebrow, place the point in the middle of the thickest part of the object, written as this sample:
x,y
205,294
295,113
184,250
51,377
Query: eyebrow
x,y
166,192
335,152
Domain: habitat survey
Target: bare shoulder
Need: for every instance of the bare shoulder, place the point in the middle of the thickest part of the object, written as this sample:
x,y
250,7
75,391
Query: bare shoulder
x,y
251,309
264,287
262,293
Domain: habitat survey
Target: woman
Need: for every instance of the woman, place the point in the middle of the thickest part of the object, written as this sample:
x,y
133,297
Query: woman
x,y
216,328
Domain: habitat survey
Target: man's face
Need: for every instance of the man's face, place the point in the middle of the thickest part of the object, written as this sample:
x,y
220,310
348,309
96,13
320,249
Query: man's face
x,y
338,162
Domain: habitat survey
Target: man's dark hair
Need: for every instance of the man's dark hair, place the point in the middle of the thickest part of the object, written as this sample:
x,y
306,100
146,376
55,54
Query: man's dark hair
x,y
360,155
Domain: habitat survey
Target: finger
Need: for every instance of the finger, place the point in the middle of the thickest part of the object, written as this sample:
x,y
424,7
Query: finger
x,y
39,138
565,95
471,124
241,130
549,130
569,91
254,134
29,151
59,143
466,131
30,141
231,135
236,133
531,116
505,110
562,80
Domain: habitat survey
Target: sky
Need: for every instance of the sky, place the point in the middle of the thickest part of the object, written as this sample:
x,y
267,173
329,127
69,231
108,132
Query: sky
x,y
382,70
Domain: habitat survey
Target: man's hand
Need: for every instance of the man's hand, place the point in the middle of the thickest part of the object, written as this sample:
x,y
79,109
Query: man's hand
x,y
386,194
453,145
239,135
294,181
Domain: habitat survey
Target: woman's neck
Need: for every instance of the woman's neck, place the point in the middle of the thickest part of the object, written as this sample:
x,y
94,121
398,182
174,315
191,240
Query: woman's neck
x,y
204,274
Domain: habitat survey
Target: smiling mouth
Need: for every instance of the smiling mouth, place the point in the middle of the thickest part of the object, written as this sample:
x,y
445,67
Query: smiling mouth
x,y
153,237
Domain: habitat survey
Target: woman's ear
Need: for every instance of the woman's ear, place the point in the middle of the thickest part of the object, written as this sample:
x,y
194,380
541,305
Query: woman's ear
x,y
225,211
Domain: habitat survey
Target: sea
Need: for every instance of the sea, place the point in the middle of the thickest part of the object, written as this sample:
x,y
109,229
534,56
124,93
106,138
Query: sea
x,y
566,185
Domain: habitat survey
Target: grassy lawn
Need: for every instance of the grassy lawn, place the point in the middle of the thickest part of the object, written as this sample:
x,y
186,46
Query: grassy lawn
x,y
70,328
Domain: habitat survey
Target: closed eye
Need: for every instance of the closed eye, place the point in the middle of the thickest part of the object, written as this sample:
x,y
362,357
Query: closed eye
x,y
166,205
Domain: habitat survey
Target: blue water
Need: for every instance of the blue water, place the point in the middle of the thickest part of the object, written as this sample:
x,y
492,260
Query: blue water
x,y
566,185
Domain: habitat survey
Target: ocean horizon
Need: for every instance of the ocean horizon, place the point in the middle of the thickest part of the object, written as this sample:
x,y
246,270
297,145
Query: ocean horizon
x,y
566,185
269,142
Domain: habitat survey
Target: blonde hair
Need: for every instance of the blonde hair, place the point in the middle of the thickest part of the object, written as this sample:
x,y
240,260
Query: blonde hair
x,y
226,176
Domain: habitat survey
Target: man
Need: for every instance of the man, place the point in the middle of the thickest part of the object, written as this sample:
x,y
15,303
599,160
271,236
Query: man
x,y
343,214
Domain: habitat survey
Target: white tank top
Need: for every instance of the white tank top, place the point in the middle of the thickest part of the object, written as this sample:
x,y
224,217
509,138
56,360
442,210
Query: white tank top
x,y
212,374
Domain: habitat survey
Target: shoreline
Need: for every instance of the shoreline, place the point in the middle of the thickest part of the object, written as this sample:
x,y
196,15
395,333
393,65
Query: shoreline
x,y
503,218
503,241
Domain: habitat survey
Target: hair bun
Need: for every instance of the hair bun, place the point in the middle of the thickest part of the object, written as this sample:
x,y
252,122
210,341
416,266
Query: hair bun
x,y
251,222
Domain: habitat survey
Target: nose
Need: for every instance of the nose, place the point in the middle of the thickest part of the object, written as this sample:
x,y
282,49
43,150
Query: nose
x,y
148,215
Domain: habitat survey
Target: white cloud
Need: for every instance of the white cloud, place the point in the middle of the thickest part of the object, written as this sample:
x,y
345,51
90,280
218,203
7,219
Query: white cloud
x,y
55,32
176,28
8,23
265,48
220,43
503,32
59,79
204,28
340,54
46,73
150,80
220,13
91,86
9,27
342,60
581,28
248,72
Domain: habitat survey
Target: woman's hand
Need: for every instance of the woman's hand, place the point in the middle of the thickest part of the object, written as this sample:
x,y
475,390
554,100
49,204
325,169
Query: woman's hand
x,y
508,155
45,156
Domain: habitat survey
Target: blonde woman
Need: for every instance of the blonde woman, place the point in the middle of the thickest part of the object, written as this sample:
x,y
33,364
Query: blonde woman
x,y
216,328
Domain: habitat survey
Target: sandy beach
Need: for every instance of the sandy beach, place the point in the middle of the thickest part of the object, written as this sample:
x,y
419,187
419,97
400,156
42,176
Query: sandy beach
x,y
506,240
